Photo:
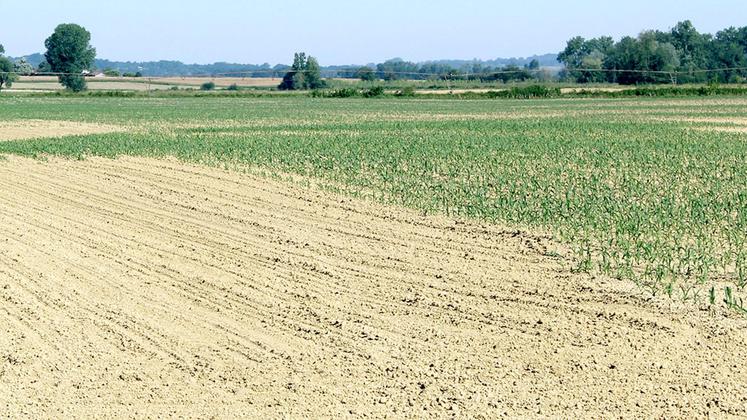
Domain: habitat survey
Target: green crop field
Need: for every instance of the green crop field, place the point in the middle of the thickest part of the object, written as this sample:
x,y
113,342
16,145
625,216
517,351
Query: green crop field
x,y
649,190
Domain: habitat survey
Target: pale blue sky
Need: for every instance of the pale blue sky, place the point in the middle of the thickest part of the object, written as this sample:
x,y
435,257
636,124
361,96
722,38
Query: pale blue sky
x,y
345,32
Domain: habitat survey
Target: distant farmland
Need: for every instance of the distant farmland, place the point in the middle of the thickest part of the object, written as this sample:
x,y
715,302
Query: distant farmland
x,y
50,83
141,84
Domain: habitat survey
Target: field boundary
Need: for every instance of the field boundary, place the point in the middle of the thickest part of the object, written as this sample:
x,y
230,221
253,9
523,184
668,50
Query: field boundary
x,y
524,92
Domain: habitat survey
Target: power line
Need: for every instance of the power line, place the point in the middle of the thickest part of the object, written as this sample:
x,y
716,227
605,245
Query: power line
x,y
410,73
468,74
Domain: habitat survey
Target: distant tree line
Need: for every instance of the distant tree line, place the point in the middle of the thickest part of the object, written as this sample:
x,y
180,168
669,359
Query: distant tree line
x,y
398,69
305,73
447,68
167,68
680,55
177,68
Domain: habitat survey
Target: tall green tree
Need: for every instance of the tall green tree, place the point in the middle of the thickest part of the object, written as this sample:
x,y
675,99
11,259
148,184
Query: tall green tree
x,y
305,73
584,58
313,75
646,59
396,68
622,62
366,74
729,55
23,67
7,74
692,49
44,67
294,78
69,52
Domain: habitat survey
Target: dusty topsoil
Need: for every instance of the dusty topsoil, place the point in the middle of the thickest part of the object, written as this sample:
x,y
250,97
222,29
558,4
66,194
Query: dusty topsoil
x,y
150,288
31,129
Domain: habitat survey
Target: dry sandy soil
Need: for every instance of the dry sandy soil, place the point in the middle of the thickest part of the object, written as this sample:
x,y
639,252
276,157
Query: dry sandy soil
x,y
222,81
226,81
454,91
137,287
596,89
37,83
721,124
485,90
97,84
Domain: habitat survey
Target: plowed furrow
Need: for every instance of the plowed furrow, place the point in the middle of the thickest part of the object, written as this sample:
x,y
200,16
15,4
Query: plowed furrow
x,y
312,282
160,285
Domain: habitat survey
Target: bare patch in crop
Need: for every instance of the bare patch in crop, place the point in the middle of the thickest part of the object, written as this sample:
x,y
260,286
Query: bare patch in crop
x,y
33,129
710,120
723,129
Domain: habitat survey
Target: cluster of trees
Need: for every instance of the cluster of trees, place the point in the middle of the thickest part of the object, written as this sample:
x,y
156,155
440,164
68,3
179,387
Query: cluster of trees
x,y
397,68
681,55
304,74
509,73
168,67
116,73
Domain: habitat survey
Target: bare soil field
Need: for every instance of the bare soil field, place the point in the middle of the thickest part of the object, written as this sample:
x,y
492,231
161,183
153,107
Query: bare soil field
x,y
141,287
37,84
723,129
710,120
722,124
454,91
30,129
596,89
228,81
34,86
485,90
221,81
26,83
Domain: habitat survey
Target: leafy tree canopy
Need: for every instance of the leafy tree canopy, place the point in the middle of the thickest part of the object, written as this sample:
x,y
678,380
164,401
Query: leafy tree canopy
x,y
305,73
7,71
366,74
69,51
7,76
23,67
679,55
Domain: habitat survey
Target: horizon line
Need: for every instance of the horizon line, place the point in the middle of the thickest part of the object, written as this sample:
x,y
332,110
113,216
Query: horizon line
x,y
15,57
